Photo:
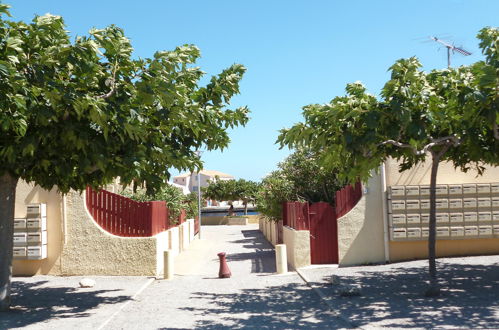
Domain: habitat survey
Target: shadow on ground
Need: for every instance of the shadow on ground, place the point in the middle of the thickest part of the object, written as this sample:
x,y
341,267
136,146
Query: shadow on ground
x,y
470,297
288,306
261,252
32,303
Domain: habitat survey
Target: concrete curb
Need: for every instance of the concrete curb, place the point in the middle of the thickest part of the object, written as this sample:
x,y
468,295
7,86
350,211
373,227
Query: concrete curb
x,y
331,307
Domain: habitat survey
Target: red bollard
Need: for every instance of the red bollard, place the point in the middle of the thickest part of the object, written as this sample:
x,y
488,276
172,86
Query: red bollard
x,y
224,271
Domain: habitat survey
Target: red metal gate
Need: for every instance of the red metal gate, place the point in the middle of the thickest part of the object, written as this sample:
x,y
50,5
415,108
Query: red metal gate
x,y
323,234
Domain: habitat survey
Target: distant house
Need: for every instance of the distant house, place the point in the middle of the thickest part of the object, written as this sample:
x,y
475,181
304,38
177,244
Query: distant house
x,y
190,180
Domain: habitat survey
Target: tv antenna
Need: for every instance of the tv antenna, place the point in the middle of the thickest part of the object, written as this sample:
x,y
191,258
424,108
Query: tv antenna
x,y
451,48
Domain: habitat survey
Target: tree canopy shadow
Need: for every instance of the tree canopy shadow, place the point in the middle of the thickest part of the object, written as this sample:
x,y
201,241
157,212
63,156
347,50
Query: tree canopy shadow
x,y
262,254
33,303
469,299
290,306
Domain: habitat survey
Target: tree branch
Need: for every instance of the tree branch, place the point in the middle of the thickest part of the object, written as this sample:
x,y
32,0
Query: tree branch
x,y
113,85
446,140
496,131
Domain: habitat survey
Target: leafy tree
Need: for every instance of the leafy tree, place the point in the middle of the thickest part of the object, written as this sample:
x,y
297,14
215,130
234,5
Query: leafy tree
x,y
300,177
444,115
82,112
231,190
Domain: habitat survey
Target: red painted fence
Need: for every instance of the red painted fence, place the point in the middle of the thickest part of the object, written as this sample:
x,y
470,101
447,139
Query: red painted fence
x,y
320,219
122,216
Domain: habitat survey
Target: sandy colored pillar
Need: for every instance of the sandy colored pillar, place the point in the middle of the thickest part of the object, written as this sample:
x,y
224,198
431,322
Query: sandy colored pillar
x,y
281,260
168,257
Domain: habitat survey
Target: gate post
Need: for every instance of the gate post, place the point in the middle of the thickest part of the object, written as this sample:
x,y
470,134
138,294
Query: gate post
x,y
281,259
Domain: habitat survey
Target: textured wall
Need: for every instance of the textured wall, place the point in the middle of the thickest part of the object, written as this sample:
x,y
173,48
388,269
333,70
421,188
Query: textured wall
x,y
360,231
297,247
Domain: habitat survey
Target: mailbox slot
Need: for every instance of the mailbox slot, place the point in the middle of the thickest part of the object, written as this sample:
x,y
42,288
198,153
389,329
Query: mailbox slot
x,y
483,188
441,190
469,203
442,203
471,230
397,191
494,187
455,189
397,219
412,205
425,218
37,252
442,217
20,239
470,216
443,232
20,224
484,202
425,204
495,201
37,210
399,233
19,252
456,204
485,230
424,190
37,224
456,231
495,216
413,219
425,232
456,217
484,216
496,230
397,205
412,191
469,188
413,232
37,238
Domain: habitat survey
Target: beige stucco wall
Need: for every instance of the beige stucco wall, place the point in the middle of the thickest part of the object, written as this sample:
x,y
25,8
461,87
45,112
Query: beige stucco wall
x,y
297,247
27,194
360,231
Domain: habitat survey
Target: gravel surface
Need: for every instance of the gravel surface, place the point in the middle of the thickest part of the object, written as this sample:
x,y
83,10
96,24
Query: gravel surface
x,y
392,295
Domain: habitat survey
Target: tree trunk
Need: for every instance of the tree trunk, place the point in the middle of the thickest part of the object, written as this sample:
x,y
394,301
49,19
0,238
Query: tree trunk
x,y
7,203
245,208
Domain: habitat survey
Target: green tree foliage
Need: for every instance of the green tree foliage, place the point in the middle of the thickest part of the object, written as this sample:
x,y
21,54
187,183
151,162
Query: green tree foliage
x,y
446,115
82,112
300,177
232,190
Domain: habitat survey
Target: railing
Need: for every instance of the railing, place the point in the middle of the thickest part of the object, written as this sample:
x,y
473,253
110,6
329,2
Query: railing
x,y
122,216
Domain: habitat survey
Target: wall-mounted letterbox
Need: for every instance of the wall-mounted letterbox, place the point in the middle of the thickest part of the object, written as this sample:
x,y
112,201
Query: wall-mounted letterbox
x,y
37,210
455,203
397,219
484,216
483,188
425,218
485,230
495,201
425,204
37,238
442,203
397,205
20,224
496,229
455,189
456,217
469,188
494,187
37,252
413,232
484,202
441,190
469,203
37,224
19,252
397,191
20,239
456,231
442,217
495,216
443,232
412,191
413,219
471,231
470,216
399,233
412,204
424,190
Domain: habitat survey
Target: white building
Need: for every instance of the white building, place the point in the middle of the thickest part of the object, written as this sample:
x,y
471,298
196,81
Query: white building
x,y
190,180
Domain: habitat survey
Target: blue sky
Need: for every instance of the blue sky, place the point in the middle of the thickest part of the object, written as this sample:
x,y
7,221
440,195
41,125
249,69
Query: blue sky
x,y
296,52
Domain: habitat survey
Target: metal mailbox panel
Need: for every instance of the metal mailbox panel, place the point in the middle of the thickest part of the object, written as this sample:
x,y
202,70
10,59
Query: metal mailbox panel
x,y
484,216
494,187
413,232
442,217
425,218
39,210
397,219
469,203
412,204
483,188
425,204
496,229
456,217
456,231
485,230
424,190
37,238
441,190
425,232
20,224
469,188
398,233
471,230
397,191
412,190
397,205
20,238
413,218
484,202
455,189
37,223
19,252
37,252
442,203
495,216
455,203
495,201
443,232
470,216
